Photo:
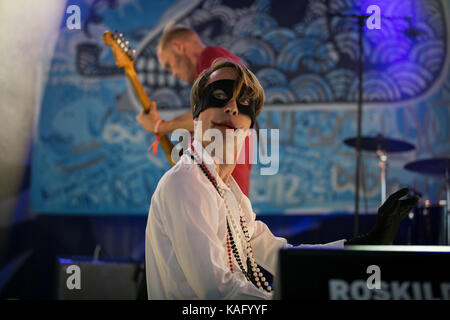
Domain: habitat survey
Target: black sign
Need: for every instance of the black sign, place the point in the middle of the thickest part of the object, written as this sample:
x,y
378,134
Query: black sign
x,y
364,273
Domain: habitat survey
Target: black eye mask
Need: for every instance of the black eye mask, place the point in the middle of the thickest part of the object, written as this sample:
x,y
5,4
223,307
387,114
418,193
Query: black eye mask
x,y
227,86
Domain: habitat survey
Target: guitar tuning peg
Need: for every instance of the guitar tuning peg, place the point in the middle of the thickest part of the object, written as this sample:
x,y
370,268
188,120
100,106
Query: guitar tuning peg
x,y
127,42
134,51
120,35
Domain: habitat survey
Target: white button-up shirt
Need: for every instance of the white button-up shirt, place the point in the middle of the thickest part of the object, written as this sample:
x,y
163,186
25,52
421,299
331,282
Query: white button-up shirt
x,y
185,241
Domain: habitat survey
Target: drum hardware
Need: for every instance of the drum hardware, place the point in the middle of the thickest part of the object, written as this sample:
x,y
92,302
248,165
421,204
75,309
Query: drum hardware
x,y
439,167
381,146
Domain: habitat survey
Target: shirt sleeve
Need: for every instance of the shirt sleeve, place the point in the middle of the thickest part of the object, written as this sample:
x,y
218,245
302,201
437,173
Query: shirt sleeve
x,y
266,246
191,221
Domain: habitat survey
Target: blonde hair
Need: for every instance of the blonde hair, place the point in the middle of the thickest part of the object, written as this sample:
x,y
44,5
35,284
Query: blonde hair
x,y
244,77
174,31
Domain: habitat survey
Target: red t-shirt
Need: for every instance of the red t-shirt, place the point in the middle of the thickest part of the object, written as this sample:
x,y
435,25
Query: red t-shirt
x,y
241,172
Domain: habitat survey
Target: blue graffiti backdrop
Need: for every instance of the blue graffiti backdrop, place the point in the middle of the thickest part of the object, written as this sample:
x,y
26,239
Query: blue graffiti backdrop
x,y
89,156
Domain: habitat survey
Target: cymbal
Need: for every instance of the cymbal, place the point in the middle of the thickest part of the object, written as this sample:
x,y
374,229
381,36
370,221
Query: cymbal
x,y
380,143
432,166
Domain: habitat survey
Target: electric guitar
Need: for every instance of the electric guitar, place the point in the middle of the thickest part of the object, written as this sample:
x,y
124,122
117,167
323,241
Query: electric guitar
x,y
124,56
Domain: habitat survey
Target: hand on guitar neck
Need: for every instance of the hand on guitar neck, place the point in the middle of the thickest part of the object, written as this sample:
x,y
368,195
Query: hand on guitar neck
x,y
149,119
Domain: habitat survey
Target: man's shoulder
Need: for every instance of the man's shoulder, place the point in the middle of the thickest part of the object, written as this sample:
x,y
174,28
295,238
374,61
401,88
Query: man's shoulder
x,y
211,53
213,49
182,170
184,182
182,177
218,52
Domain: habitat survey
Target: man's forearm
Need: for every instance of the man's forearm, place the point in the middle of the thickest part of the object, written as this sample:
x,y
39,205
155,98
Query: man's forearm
x,y
183,121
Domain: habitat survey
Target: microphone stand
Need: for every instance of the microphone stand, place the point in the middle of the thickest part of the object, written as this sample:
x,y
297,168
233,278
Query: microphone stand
x,y
361,19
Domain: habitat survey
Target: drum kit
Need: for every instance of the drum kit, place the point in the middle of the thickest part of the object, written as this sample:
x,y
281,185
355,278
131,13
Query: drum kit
x,y
427,218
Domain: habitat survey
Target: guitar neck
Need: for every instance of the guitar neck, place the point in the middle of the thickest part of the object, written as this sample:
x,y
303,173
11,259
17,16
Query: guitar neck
x,y
166,145
138,89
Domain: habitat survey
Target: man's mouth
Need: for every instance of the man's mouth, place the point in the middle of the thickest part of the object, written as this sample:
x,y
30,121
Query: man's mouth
x,y
224,124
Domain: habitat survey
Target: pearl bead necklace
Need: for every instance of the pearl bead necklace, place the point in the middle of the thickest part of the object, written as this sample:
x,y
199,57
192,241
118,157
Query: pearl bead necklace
x,y
255,276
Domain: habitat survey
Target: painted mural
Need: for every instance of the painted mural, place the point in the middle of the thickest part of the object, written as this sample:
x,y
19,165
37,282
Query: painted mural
x,y
90,156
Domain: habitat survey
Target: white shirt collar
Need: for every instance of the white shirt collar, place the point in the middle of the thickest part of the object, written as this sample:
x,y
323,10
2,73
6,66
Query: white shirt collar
x,y
210,164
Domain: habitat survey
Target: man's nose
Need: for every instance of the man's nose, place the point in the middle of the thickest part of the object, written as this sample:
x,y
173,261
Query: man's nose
x,y
231,108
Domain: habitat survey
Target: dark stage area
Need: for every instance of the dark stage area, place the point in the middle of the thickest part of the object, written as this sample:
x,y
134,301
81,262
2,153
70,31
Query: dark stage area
x,y
36,244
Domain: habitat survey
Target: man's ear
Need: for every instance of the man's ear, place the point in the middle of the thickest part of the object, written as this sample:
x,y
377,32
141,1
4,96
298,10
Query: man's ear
x,y
178,46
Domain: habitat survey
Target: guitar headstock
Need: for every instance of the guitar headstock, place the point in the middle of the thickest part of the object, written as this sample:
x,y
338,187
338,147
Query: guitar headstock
x,y
123,53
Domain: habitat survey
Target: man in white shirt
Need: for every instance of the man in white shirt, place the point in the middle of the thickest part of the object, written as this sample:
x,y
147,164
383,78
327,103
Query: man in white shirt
x,y
202,239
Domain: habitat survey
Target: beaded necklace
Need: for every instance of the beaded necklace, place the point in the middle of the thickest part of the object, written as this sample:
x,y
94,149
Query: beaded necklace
x,y
252,272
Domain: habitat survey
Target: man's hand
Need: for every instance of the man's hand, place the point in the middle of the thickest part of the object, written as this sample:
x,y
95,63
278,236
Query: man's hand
x,y
148,120
389,216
